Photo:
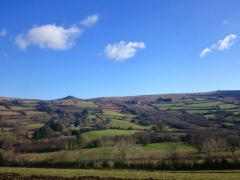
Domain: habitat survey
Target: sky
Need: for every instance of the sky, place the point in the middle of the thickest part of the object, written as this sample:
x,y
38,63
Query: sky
x,y
50,49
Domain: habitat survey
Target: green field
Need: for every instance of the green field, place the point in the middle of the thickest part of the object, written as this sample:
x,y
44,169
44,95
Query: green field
x,y
227,106
110,132
3,108
197,111
112,113
198,105
126,124
167,146
232,118
206,104
124,174
20,108
87,104
64,102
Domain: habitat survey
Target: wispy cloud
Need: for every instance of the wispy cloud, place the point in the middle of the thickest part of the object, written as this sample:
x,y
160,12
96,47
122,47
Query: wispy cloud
x,y
226,22
204,52
221,45
49,36
90,20
3,32
227,42
122,51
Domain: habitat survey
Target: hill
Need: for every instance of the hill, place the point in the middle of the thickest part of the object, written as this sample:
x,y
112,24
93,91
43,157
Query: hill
x,y
191,120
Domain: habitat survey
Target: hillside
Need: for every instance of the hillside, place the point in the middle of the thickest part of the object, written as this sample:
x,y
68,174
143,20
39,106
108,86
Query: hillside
x,y
151,122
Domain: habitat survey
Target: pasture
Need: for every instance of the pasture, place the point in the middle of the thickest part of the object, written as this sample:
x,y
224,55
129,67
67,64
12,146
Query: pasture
x,y
168,146
110,132
126,124
197,105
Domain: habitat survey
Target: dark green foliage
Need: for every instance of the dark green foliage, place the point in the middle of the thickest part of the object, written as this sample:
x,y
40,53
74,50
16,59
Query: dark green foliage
x,y
77,123
42,133
1,159
55,126
85,114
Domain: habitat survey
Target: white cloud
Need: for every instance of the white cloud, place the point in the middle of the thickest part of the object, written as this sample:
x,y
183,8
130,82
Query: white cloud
x,y
204,52
227,42
224,44
90,20
3,32
49,36
122,50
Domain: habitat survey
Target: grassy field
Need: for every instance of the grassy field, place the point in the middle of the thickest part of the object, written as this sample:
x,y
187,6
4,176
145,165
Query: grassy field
x,y
64,102
167,146
20,108
197,111
125,174
126,124
110,132
87,104
112,113
196,105
227,106
3,108
9,113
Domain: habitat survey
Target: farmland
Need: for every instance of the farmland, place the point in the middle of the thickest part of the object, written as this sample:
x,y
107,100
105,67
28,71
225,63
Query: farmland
x,y
111,132
167,132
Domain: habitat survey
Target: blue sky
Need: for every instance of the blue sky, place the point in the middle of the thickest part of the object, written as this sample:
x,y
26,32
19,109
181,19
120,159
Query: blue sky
x,y
99,48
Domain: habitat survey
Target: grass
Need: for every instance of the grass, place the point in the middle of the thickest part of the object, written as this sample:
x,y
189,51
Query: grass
x,y
232,118
125,174
113,113
209,116
87,104
34,126
126,124
32,113
19,108
64,102
167,146
9,113
110,132
3,108
197,111
227,106
207,104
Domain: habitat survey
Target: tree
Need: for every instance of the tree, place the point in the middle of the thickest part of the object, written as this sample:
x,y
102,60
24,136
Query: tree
x,y
233,142
85,114
125,146
159,126
108,120
43,133
77,123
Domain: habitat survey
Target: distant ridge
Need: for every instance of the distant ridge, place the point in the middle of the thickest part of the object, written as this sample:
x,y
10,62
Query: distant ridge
x,y
70,98
146,98
223,93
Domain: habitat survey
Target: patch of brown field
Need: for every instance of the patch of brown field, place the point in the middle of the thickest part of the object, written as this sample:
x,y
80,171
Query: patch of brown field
x,y
10,113
33,113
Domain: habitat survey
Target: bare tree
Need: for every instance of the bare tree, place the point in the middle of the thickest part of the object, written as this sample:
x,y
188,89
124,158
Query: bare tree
x,y
125,147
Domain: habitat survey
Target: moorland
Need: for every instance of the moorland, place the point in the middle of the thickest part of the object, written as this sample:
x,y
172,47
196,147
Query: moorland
x,y
194,131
